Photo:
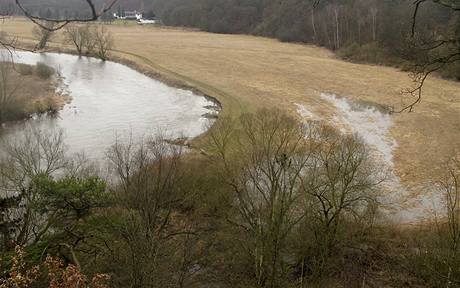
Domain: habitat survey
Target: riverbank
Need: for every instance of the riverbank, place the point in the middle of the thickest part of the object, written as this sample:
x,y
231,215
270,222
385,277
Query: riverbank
x,y
30,90
245,73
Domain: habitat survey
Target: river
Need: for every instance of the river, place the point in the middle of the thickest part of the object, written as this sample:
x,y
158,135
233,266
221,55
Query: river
x,y
111,100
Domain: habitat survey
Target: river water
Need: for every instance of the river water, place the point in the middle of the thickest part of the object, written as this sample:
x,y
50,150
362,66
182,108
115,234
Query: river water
x,y
111,100
373,126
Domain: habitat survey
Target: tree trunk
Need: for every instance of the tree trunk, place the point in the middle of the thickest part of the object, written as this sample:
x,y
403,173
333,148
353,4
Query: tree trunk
x,y
337,38
374,24
315,38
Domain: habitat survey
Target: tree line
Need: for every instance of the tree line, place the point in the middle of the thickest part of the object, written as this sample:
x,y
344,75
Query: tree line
x,y
382,32
370,31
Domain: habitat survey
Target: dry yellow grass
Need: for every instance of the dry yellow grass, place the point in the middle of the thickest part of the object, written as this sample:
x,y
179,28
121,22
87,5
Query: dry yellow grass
x,y
34,94
246,72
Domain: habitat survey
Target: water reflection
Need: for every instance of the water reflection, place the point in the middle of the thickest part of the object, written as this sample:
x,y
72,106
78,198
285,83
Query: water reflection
x,y
111,99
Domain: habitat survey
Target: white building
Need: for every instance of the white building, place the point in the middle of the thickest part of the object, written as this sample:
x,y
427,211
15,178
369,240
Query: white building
x,y
129,15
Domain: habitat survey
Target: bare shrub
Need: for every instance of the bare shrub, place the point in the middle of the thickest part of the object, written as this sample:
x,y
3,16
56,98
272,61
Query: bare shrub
x,y
24,69
81,36
43,34
103,42
44,71
437,255
264,168
340,191
32,153
149,174
8,90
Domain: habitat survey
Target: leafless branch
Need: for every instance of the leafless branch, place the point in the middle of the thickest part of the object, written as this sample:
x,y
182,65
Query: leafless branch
x,y
421,73
422,70
454,5
417,4
60,23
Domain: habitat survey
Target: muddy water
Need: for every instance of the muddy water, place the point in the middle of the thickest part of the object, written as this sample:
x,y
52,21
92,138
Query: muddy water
x,y
111,100
373,126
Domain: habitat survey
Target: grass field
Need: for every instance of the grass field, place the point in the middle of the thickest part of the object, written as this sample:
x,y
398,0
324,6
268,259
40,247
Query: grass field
x,y
246,72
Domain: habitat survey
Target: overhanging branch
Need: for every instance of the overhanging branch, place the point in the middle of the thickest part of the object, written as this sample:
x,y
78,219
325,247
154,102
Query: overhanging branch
x,y
60,23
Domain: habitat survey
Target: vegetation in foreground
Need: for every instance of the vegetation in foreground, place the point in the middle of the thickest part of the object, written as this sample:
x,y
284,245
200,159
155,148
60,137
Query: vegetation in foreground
x,y
270,202
26,90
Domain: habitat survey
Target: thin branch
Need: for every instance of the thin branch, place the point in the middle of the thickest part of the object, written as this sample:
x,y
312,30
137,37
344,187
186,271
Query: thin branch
x,y
421,77
60,23
422,71
414,16
454,6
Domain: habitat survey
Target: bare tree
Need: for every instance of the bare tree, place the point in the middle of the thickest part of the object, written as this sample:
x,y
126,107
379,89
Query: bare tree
x,y
336,10
264,164
313,24
52,24
426,62
451,190
341,186
103,42
7,88
373,14
149,174
80,36
449,223
43,35
286,175
33,152
439,253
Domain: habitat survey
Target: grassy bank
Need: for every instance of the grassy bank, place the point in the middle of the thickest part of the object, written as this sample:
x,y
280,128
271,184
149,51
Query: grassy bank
x,y
29,90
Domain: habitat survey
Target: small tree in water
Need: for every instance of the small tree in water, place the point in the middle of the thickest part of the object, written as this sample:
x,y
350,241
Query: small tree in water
x,y
103,42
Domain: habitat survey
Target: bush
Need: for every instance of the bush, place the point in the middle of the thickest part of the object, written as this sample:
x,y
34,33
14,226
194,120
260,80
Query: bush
x,y
103,42
44,71
350,51
368,53
451,71
24,69
44,35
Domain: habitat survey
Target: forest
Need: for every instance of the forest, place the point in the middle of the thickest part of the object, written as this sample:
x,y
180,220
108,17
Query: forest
x,y
359,30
